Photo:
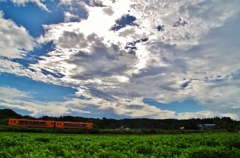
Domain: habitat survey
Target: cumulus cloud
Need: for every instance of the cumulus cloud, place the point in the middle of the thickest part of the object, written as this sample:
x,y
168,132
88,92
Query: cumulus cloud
x,y
177,54
135,49
15,40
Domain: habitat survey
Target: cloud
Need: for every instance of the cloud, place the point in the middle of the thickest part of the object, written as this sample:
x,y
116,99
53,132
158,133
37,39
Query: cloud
x,y
15,40
11,93
232,112
37,2
130,50
68,17
158,67
16,99
15,68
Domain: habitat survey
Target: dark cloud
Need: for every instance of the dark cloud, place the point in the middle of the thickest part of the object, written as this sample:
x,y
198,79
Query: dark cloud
x,y
94,3
101,94
134,107
72,40
101,61
150,71
108,11
168,86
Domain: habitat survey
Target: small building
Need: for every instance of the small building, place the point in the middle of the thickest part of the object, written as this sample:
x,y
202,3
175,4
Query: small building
x,y
181,128
125,128
206,126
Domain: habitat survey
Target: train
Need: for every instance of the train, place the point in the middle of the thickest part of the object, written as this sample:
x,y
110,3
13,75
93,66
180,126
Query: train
x,y
49,124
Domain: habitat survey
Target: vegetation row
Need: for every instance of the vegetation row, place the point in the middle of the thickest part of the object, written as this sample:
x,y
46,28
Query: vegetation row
x,y
119,146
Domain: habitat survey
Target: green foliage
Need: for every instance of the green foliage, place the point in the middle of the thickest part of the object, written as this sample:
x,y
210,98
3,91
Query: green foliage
x,y
22,145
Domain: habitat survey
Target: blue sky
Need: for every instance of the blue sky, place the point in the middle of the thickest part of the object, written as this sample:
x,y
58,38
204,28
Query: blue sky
x,y
120,59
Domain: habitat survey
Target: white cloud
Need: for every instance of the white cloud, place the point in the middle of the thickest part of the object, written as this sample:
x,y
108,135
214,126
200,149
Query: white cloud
x,y
233,113
14,98
37,2
15,41
11,93
19,70
192,51
68,17
181,52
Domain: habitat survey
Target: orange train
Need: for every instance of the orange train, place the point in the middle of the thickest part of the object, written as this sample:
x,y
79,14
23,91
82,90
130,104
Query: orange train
x,y
49,124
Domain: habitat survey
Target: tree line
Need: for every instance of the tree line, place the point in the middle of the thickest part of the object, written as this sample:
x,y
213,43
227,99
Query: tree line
x,y
223,123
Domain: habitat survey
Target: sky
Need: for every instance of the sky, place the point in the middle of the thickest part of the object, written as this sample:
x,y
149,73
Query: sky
x,y
120,58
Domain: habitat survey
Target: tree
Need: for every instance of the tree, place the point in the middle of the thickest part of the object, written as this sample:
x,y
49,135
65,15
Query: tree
x,y
190,125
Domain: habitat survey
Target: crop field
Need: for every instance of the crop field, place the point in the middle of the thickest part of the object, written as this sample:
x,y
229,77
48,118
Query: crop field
x,y
29,145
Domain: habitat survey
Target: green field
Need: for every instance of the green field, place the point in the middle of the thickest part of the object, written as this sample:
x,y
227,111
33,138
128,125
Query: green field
x,y
27,145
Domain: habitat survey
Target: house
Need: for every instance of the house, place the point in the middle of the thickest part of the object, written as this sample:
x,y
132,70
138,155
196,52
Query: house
x,y
206,126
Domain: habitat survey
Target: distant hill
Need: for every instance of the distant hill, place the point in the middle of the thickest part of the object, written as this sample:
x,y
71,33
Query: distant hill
x,y
8,113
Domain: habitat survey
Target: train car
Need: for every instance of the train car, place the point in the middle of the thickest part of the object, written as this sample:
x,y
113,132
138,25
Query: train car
x,y
74,125
49,124
31,123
